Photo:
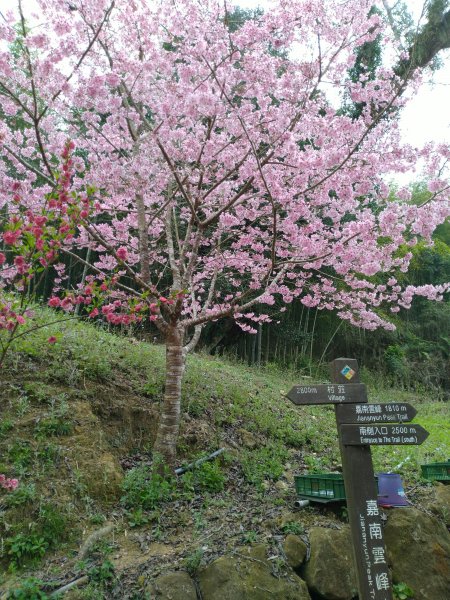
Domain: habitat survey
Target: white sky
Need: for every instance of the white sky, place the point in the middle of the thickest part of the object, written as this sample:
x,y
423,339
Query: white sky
x,y
425,118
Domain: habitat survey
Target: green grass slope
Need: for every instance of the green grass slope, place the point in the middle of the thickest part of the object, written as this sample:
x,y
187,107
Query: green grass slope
x,y
77,423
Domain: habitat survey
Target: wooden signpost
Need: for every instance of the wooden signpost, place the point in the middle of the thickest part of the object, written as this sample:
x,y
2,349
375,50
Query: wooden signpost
x,y
377,413
382,435
361,425
327,394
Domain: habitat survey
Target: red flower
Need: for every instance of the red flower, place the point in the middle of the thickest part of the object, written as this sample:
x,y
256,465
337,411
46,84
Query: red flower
x,y
52,339
10,237
54,302
122,253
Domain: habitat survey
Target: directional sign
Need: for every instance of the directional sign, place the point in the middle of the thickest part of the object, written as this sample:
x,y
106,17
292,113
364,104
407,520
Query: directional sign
x,y
382,435
328,394
366,527
376,413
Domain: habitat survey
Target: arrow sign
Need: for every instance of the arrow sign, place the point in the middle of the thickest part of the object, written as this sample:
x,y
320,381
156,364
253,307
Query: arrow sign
x,y
399,412
382,435
328,394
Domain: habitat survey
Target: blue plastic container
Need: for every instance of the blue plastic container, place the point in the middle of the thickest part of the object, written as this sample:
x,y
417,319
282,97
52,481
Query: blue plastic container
x,y
390,490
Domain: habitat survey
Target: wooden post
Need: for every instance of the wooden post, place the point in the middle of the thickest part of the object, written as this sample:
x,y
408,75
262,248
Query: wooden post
x,y
374,582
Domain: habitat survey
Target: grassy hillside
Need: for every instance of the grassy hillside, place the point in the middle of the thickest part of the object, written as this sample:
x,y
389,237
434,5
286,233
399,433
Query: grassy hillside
x,y
77,422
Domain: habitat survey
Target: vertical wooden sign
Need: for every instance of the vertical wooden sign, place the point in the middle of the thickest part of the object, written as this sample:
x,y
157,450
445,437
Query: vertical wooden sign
x,y
374,582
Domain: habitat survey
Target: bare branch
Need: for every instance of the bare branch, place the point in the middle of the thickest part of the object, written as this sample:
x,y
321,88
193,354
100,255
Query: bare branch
x,y
83,56
29,166
171,250
34,116
99,271
181,186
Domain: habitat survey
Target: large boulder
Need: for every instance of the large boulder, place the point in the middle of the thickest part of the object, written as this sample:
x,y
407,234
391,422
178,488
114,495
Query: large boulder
x,y
245,578
418,548
440,505
295,550
173,586
330,572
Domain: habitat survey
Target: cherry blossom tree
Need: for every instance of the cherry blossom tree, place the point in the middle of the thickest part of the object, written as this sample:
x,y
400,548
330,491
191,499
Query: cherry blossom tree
x,y
224,176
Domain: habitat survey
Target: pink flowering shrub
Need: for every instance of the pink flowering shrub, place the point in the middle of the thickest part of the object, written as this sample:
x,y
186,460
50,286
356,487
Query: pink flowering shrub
x,y
34,237
8,484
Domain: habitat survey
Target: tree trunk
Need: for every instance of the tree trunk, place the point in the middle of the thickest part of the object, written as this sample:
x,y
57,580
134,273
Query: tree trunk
x,y
259,345
169,421
253,354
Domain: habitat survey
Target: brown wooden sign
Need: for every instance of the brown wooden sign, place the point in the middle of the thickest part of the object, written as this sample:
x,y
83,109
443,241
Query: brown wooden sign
x,y
374,582
382,435
328,394
377,413
361,425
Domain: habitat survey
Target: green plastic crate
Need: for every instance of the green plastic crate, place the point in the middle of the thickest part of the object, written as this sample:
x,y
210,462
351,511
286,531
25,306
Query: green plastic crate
x,y
320,487
436,471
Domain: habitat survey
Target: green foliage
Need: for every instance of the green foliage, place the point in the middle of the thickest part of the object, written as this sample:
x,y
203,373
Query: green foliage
x,y
29,589
26,492
53,523
102,573
20,453
293,527
394,358
264,463
137,517
195,408
5,427
207,477
239,16
38,527
193,561
147,489
48,455
402,591
54,426
249,537
315,464
25,547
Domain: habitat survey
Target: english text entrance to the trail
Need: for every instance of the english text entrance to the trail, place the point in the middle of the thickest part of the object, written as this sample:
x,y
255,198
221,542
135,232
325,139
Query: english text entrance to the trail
x,y
359,426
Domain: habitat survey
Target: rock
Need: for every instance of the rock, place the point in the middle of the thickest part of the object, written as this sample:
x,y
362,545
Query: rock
x,y
419,552
330,572
103,477
248,439
289,476
295,550
281,486
240,578
173,586
255,551
441,504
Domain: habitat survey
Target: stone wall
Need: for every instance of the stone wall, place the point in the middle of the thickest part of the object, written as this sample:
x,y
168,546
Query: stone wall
x,y
320,566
